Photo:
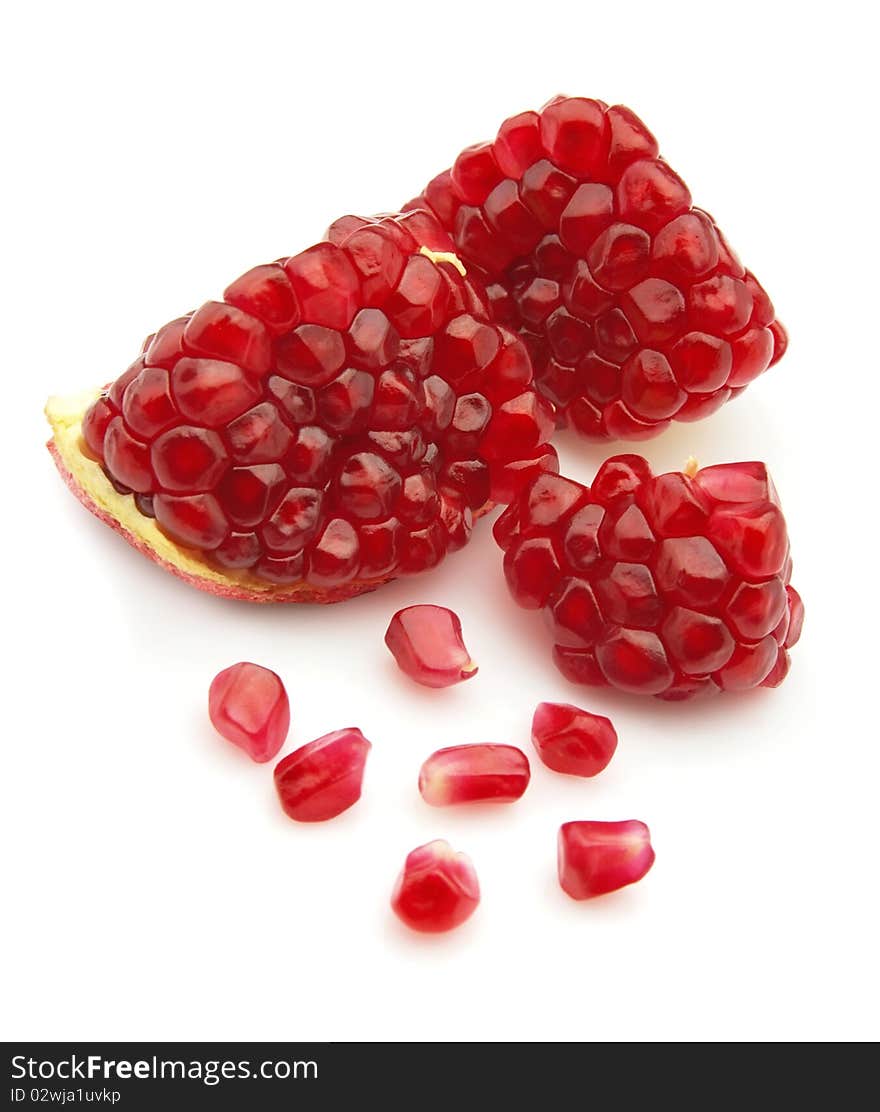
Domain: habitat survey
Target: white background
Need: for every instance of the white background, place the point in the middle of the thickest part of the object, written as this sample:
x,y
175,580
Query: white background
x,y
153,888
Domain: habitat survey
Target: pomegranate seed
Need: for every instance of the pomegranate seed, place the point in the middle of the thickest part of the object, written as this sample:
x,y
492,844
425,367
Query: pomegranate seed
x,y
322,779
349,409
249,707
667,585
572,740
599,857
436,890
474,773
427,644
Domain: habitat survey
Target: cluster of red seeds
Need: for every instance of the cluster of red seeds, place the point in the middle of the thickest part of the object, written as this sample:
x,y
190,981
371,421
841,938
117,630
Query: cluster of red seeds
x,y
634,308
437,888
338,418
666,585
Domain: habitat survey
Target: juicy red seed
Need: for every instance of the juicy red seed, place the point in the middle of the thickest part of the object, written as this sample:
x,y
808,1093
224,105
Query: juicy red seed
x,y
418,305
571,740
249,707
671,585
322,779
796,622
426,641
531,567
127,459
378,260
572,206
266,292
340,417
188,459
225,332
518,143
294,522
335,555
368,487
94,427
259,436
326,285
599,857
311,355
212,392
474,773
147,405
166,347
512,478
437,889
195,521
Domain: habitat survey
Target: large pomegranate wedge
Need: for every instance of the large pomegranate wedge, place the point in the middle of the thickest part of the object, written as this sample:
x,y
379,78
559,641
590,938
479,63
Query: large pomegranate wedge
x,y
335,421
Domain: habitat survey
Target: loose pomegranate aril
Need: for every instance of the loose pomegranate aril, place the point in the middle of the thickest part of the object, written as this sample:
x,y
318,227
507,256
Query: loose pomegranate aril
x,y
633,307
474,773
249,707
599,857
571,740
322,779
667,585
351,409
426,641
437,889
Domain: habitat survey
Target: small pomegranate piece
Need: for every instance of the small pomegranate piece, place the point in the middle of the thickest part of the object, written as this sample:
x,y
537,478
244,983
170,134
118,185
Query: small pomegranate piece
x,y
249,707
572,740
667,585
474,773
599,857
427,644
436,890
322,779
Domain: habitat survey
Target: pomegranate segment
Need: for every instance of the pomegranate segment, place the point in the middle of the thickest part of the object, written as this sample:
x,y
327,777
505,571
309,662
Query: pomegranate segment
x,y
322,779
571,740
633,307
474,773
426,641
338,420
437,889
599,857
248,706
670,585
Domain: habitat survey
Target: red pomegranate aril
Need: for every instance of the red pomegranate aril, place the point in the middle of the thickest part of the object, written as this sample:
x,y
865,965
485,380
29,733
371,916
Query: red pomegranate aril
x,y
325,284
188,460
94,427
226,332
248,706
212,392
148,406
426,641
436,890
571,740
473,774
266,292
127,459
599,857
195,520
166,347
322,779
796,607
